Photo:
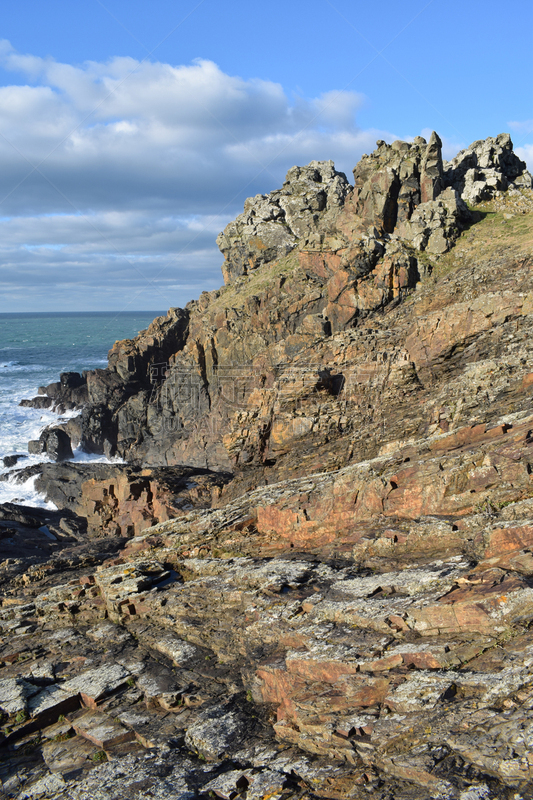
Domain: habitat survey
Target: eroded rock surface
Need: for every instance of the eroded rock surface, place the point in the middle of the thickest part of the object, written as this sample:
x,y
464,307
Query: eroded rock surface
x,y
401,663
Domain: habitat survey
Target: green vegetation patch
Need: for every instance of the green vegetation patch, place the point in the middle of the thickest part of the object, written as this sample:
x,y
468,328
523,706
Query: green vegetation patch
x,y
491,232
258,281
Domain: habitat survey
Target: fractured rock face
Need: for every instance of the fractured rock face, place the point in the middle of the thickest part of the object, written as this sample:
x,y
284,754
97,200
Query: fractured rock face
x,y
435,225
273,225
396,178
351,616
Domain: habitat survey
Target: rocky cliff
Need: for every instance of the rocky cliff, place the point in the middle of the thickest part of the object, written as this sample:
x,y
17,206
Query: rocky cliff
x,y
314,578
216,385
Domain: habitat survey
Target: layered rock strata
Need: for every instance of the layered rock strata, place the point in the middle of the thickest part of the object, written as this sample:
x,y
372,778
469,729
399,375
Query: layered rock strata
x,y
289,643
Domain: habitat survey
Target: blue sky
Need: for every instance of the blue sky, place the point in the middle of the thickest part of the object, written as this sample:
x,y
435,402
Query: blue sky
x,y
131,132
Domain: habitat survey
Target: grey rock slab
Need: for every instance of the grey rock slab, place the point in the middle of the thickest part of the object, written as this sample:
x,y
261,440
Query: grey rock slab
x,y
268,783
409,582
490,687
96,683
59,729
320,651
106,631
41,670
119,582
102,730
28,609
160,731
228,785
63,636
176,649
69,755
215,733
479,792
135,778
49,786
155,686
420,692
51,702
133,719
14,694
155,683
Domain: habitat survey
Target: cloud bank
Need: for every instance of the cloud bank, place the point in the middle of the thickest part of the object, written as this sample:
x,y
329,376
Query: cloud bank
x,y
116,177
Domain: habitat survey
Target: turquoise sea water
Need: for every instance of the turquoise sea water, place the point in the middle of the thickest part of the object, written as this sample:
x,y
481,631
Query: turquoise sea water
x,y
34,349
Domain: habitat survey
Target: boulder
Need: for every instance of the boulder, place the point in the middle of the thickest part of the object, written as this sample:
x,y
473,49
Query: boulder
x,y
10,461
56,444
71,380
38,402
35,447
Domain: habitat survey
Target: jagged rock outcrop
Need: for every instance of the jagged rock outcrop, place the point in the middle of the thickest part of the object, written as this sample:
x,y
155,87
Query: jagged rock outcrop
x,y
136,367
399,189
301,212
434,226
119,500
392,181
69,393
55,442
486,167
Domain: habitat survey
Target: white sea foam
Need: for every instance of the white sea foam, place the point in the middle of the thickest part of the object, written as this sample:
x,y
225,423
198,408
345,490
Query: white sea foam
x,y
38,349
19,425
80,456
14,366
23,493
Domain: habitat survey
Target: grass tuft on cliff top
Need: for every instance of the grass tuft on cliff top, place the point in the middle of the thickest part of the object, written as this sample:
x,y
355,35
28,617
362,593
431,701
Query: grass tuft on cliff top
x,y
235,294
502,226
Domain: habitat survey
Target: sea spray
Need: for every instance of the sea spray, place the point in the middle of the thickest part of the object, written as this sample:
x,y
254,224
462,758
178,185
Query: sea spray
x,y
34,350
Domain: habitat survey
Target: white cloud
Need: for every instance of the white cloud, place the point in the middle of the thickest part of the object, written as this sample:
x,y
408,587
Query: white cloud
x,y
128,161
526,154
524,127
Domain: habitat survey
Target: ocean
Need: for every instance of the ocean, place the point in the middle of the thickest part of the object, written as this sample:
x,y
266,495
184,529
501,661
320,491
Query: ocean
x,y
34,349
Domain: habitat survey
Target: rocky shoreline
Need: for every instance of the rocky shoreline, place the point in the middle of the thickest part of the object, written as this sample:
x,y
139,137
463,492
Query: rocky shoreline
x,y
313,574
